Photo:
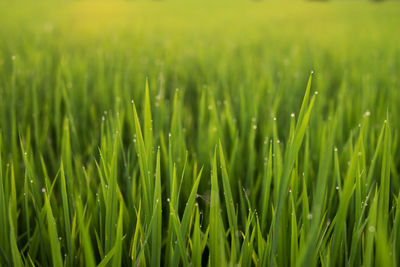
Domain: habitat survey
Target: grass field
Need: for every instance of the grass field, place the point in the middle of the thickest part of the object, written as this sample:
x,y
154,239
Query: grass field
x,y
248,133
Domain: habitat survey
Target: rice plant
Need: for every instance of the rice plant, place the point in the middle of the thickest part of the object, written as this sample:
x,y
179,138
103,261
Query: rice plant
x,y
202,134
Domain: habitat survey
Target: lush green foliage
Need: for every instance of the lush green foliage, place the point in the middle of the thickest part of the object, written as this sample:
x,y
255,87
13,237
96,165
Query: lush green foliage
x,y
230,153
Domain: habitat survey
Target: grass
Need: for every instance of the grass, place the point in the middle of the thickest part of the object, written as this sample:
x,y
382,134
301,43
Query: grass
x,y
157,133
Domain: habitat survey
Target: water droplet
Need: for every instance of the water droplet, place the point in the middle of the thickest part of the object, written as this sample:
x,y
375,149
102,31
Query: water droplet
x,y
337,187
316,93
254,127
43,190
168,200
292,115
274,118
309,216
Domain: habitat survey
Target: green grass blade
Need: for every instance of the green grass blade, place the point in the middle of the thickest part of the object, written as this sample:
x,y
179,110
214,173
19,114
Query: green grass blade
x,y
216,242
85,237
15,253
66,211
157,227
144,170
53,236
230,207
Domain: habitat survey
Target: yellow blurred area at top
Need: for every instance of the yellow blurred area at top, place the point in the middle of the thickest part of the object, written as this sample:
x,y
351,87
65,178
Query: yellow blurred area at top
x,y
321,22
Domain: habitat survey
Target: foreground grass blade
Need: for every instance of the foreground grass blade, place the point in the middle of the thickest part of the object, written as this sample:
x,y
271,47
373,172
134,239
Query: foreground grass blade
x,y
66,215
156,231
85,237
217,246
16,256
53,236
293,149
229,204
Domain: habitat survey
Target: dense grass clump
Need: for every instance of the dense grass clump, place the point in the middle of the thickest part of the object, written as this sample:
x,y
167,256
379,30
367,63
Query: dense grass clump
x,y
159,133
